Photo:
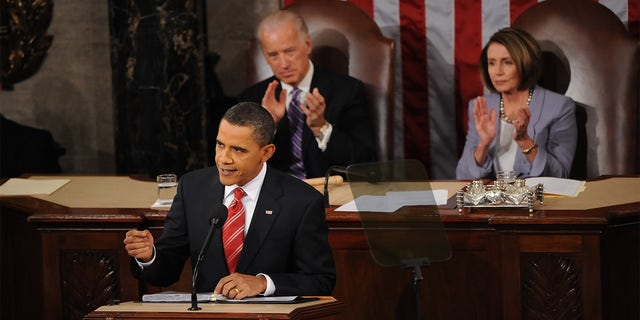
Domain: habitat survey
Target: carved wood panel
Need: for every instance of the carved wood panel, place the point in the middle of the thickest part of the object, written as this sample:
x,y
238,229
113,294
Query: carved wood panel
x,y
551,286
89,279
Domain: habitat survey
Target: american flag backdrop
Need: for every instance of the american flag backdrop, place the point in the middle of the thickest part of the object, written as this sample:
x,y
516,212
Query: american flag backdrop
x,y
438,43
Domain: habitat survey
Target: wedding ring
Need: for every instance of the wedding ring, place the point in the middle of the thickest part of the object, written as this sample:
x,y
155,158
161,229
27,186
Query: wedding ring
x,y
237,291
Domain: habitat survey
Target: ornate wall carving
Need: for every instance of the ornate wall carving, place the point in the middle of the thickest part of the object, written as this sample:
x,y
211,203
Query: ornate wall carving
x,y
23,38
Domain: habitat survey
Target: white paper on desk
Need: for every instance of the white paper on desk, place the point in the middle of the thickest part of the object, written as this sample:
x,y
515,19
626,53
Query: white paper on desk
x,y
367,203
394,200
27,187
175,296
417,198
559,186
275,299
162,205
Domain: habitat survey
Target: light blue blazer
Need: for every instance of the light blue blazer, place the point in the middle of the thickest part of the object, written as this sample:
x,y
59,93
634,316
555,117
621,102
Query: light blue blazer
x,y
552,126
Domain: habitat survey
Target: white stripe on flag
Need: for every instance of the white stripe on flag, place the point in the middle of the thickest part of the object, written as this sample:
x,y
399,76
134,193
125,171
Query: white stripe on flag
x,y
495,16
386,13
440,73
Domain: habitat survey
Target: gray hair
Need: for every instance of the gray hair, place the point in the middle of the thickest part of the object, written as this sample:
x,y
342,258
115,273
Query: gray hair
x,y
281,18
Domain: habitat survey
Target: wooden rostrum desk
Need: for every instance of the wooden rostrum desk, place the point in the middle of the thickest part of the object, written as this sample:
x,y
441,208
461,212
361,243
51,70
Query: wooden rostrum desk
x,y
574,258
322,308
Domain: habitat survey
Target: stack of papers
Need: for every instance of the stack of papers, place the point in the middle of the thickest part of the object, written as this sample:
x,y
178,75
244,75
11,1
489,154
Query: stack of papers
x,y
174,296
558,186
162,205
278,299
28,187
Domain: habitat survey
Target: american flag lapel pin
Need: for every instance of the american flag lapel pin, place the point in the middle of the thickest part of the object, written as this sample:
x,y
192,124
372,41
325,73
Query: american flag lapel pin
x,y
269,212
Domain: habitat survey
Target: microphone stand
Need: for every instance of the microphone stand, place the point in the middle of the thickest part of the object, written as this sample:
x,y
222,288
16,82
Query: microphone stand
x,y
215,222
331,169
372,175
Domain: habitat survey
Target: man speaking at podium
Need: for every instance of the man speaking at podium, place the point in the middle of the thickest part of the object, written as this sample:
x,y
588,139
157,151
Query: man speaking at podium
x,y
275,238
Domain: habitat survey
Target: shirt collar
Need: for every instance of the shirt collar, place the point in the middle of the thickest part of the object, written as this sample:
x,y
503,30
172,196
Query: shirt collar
x,y
251,188
304,85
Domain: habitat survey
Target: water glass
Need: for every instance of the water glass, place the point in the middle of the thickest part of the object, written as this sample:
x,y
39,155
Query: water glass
x,y
507,176
167,186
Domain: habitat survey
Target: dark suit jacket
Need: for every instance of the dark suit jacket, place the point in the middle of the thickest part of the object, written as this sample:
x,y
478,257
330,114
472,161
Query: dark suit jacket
x,y
287,238
352,139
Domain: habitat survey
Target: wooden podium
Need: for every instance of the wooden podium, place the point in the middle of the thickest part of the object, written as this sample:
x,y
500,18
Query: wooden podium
x,y
323,308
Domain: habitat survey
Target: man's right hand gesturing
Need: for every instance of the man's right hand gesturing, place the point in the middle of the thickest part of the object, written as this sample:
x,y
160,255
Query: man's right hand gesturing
x,y
139,244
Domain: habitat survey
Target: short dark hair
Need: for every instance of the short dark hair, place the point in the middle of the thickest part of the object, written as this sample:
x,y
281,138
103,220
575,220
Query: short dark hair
x,y
525,53
254,116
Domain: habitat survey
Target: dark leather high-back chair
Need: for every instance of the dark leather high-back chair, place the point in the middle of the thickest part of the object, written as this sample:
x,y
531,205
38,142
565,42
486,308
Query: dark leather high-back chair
x,y
590,57
346,40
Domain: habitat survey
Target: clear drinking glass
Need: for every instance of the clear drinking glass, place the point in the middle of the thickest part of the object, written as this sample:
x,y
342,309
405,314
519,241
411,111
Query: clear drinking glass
x,y
167,186
507,176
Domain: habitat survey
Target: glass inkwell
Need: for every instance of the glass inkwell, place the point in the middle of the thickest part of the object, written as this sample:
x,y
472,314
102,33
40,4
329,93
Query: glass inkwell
x,y
504,192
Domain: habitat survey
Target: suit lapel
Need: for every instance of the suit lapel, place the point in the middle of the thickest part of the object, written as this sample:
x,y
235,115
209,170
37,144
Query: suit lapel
x,y
493,102
537,102
535,107
265,214
214,190
321,81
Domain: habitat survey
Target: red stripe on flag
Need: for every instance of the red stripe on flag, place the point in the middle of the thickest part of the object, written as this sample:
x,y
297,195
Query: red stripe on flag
x,y
518,6
468,46
415,93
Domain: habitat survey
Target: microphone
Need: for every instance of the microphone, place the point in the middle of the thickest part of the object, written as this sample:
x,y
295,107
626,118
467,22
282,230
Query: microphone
x,y
218,217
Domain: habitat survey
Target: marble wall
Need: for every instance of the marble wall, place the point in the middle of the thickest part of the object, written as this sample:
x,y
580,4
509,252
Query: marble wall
x,y
72,94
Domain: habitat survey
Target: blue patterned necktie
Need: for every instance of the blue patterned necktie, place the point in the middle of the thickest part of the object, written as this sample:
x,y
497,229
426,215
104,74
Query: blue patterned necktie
x,y
296,122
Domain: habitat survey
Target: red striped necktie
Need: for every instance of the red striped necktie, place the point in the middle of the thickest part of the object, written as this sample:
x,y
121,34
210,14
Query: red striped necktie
x,y
233,230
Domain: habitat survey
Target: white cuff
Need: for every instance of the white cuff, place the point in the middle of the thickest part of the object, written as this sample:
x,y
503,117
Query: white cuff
x,y
146,264
271,287
325,134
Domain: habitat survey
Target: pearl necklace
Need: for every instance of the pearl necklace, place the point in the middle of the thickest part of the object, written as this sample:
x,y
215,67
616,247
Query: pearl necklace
x,y
504,115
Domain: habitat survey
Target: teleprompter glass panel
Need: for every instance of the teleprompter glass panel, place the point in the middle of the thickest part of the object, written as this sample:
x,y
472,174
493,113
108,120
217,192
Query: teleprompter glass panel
x,y
399,213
